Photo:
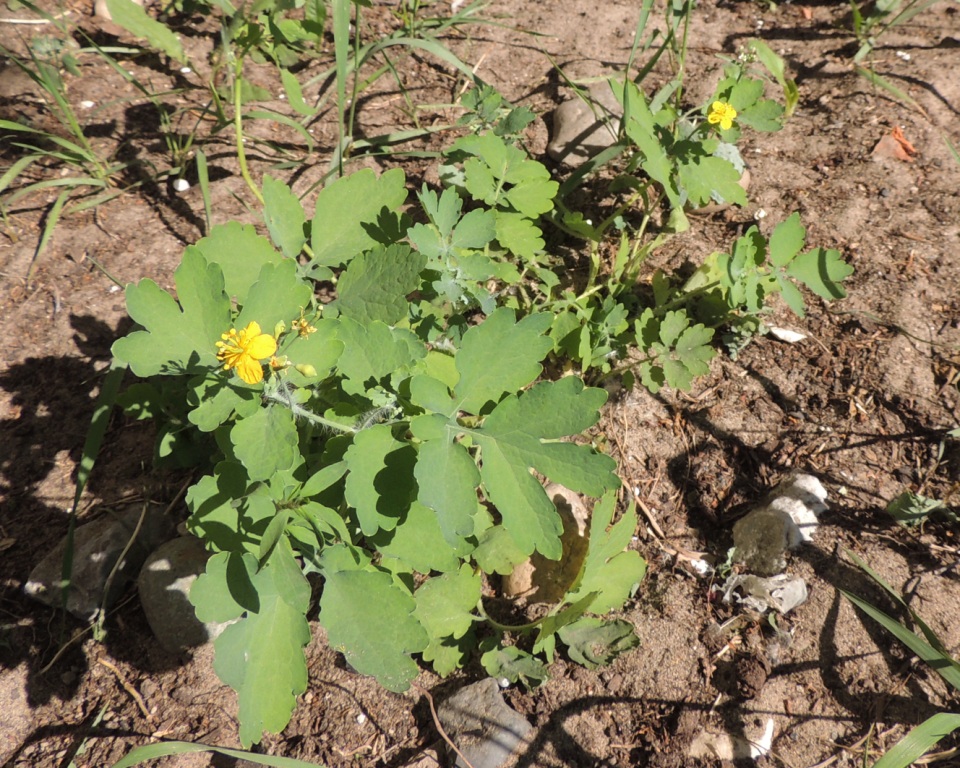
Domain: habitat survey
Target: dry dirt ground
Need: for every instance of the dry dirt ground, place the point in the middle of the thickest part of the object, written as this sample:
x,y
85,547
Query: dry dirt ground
x,y
863,403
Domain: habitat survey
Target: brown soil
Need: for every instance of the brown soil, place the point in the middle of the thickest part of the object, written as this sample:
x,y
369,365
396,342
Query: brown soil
x,y
863,403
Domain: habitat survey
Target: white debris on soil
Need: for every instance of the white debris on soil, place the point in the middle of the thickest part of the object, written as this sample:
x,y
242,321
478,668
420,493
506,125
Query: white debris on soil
x,y
725,746
780,593
785,334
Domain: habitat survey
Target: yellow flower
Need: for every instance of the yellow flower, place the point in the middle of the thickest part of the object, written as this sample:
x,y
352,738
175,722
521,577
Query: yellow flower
x,y
244,349
723,113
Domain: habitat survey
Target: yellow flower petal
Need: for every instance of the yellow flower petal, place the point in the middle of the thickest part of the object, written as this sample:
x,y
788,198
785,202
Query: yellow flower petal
x,y
261,346
249,370
722,113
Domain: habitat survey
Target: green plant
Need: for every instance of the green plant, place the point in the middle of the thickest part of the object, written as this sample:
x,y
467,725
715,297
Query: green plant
x,y
677,158
387,449
90,177
931,650
880,17
390,441
673,329
911,509
870,21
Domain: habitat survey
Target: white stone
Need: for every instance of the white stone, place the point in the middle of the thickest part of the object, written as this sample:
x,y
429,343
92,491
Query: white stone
x,y
785,334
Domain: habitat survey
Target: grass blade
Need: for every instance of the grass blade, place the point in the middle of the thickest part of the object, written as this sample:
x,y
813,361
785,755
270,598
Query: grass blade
x,y
167,748
18,167
944,665
91,447
260,114
52,218
341,48
203,176
953,149
36,186
434,48
919,740
897,93
135,20
927,632
106,197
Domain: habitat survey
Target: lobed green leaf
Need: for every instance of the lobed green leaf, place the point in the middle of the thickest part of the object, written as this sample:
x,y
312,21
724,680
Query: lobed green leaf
x,y
375,284
419,543
241,254
176,339
371,620
261,656
609,572
345,210
498,356
596,642
380,485
282,211
822,270
266,442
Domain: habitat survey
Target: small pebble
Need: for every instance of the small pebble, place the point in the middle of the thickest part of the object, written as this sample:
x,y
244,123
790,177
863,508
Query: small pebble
x,y
185,70
181,185
361,719
87,104
760,214
503,682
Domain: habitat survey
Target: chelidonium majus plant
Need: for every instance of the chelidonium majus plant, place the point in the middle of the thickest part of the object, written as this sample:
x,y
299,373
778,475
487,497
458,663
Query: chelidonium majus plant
x,y
387,447
360,442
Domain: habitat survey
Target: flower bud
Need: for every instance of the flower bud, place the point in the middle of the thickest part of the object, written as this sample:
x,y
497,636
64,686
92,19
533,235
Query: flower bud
x,y
307,370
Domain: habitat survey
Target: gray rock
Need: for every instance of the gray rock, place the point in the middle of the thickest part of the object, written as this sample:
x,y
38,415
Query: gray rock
x,y
97,547
761,539
483,727
164,584
579,131
788,519
17,712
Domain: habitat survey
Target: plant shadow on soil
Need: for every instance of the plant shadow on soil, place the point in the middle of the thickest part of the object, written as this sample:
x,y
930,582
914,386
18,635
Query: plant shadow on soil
x,y
51,403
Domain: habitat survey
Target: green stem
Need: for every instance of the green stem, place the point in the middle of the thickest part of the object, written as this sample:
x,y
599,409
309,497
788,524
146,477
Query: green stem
x,y
276,394
506,627
681,71
238,127
684,297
